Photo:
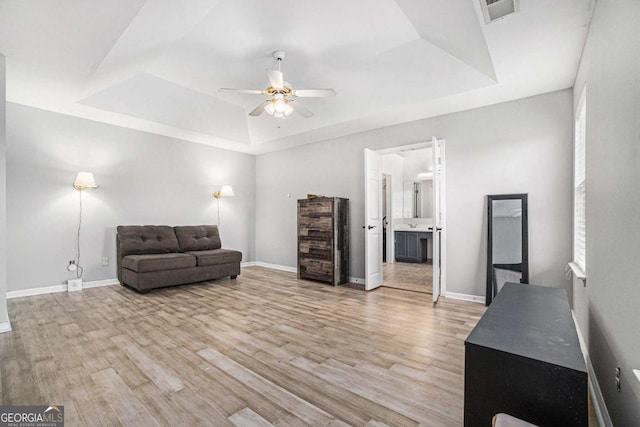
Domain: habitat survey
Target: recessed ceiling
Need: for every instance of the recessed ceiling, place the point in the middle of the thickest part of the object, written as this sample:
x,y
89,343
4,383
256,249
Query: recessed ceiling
x,y
157,66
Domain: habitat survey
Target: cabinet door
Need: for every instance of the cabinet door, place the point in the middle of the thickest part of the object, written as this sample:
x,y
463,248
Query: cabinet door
x,y
413,246
401,245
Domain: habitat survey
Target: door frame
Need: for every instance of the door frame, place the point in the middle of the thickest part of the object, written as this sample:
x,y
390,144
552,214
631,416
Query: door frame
x,y
390,247
443,237
439,222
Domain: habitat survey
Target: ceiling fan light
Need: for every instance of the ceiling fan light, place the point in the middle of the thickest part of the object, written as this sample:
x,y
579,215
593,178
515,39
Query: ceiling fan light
x,y
269,108
279,105
280,92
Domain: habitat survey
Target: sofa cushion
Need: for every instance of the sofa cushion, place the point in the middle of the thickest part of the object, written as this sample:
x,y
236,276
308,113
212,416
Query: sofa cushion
x,y
198,237
158,262
217,256
147,239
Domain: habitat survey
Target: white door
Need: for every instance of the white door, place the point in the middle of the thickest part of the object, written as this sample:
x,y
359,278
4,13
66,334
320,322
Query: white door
x,y
372,220
438,216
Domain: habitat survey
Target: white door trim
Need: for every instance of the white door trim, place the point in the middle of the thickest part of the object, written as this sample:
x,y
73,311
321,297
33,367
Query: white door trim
x,y
443,241
443,210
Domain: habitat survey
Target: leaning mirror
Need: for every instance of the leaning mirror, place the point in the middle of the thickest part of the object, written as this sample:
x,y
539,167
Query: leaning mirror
x,y
507,238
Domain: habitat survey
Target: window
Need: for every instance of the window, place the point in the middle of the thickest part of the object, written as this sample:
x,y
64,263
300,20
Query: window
x,y
579,264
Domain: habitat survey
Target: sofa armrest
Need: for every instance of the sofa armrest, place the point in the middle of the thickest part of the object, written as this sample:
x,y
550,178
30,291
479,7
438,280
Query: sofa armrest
x,y
118,258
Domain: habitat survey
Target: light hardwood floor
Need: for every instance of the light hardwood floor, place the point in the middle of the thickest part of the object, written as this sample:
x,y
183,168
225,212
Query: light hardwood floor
x,y
265,349
416,277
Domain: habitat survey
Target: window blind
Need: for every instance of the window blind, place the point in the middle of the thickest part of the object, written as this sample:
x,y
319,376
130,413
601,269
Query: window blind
x,y
579,191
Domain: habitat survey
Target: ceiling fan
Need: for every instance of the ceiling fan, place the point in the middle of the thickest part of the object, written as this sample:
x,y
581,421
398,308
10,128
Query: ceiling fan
x,y
282,98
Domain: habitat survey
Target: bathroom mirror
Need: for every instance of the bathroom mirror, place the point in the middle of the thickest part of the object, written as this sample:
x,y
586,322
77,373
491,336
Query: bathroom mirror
x,y
417,199
507,242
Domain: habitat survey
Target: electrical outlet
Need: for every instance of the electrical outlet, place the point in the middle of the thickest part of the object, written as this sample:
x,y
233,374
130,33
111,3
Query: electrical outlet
x,y
74,285
618,387
105,260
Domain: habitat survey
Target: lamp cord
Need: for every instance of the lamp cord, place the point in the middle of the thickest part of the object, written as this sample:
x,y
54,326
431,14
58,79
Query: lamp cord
x,y
218,200
79,269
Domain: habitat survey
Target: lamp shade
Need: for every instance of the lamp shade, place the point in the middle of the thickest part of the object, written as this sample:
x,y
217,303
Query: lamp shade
x,y
226,191
84,180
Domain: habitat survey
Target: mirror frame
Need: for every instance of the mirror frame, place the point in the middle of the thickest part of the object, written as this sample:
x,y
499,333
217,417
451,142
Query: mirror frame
x,y
491,289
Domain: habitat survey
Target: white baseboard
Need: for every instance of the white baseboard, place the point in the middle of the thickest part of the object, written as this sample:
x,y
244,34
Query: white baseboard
x,y
58,288
5,327
600,408
99,283
275,266
465,297
358,280
36,291
248,264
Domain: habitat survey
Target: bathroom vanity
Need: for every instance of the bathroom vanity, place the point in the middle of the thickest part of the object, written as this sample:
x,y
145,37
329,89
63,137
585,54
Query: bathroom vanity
x,y
411,244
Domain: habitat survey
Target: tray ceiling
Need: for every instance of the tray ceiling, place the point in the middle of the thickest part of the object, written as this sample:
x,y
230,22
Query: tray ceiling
x,y
156,66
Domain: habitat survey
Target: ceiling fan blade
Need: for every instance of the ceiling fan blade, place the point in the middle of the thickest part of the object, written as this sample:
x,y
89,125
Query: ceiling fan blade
x,y
259,109
314,93
275,78
246,91
301,109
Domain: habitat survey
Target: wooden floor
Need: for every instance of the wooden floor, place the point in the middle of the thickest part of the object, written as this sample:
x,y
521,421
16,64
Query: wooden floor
x,y
265,349
416,277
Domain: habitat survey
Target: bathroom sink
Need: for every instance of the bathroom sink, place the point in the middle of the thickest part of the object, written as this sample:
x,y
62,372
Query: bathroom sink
x,y
408,227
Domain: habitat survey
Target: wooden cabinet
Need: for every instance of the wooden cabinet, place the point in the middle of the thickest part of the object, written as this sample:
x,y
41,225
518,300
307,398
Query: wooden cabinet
x,y
323,239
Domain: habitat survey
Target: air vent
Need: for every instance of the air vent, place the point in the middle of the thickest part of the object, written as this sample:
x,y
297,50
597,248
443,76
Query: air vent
x,y
498,9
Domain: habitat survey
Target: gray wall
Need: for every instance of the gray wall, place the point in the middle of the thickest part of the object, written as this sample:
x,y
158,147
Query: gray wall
x,y
3,195
143,178
607,309
523,146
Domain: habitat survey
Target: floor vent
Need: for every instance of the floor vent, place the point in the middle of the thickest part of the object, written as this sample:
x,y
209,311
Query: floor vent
x,y
498,9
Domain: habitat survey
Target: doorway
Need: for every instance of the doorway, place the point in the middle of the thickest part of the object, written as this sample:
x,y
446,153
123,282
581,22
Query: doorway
x,y
415,277
410,197
409,265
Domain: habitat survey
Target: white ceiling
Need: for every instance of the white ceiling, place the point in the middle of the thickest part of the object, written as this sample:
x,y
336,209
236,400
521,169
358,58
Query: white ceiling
x,y
156,65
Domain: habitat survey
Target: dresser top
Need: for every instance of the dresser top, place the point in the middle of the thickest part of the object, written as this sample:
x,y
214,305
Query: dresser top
x,y
321,199
533,322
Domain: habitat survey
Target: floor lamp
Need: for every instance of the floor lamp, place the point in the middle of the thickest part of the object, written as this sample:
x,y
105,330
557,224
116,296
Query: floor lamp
x,y
225,191
83,181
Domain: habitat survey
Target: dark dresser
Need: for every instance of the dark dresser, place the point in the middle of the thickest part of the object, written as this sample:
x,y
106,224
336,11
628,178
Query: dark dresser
x,y
523,358
323,239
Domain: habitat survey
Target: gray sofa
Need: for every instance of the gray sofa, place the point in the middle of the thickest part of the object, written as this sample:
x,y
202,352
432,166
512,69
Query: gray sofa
x,y
156,256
